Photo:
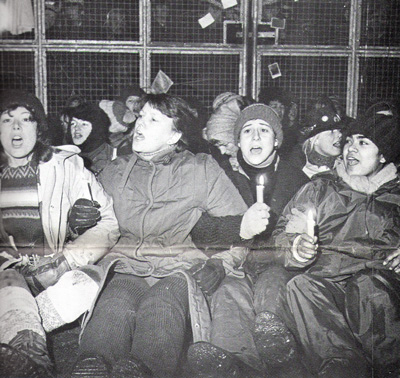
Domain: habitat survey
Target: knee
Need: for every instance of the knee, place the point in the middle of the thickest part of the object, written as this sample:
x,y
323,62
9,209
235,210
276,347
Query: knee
x,y
11,277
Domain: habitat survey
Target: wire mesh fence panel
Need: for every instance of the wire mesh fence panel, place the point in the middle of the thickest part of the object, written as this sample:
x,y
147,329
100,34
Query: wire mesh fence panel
x,y
195,21
17,20
306,78
17,71
311,22
201,77
380,23
92,20
93,76
378,80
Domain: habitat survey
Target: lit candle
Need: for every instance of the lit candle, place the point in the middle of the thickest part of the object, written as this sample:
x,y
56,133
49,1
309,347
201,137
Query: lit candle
x,y
310,223
260,189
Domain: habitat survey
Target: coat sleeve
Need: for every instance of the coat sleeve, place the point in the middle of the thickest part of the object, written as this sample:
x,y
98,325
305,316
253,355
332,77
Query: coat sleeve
x,y
221,196
98,240
285,234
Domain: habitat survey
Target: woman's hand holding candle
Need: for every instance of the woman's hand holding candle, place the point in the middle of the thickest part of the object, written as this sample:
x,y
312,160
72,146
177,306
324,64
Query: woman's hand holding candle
x,y
255,220
305,245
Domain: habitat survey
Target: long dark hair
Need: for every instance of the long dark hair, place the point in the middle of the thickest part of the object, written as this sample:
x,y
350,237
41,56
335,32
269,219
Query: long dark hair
x,y
185,118
42,151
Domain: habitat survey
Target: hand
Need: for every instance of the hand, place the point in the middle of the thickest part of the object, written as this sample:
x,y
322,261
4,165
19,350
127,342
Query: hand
x,y
255,220
393,261
44,271
208,275
305,248
83,215
297,223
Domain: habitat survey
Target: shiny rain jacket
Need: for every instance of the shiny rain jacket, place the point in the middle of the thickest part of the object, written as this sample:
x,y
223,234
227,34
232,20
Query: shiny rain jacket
x,y
355,230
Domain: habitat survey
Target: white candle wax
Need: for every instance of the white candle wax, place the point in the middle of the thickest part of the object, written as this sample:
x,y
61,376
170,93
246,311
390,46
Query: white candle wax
x,y
260,190
310,223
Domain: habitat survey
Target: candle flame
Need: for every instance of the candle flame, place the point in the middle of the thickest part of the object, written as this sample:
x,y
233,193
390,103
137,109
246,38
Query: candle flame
x,y
261,180
310,214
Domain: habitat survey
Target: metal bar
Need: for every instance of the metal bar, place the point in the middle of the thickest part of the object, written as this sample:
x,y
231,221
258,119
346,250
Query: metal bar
x,y
255,63
353,63
244,61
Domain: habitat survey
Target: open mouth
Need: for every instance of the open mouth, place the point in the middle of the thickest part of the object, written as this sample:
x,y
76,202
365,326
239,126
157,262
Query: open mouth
x,y
78,135
256,150
17,141
351,161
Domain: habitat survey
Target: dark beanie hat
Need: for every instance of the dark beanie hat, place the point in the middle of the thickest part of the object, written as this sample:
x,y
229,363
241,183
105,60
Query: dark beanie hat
x,y
319,120
15,97
383,131
99,120
259,111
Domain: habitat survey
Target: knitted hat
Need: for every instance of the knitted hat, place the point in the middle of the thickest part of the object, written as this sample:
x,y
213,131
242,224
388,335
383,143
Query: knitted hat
x,y
319,120
21,98
221,124
263,112
383,131
100,123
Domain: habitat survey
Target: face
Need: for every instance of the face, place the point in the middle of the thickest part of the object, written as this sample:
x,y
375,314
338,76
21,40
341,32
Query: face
x,y
361,156
133,103
257,142
328,143
278,107
80,130
226,148
18,135
154,131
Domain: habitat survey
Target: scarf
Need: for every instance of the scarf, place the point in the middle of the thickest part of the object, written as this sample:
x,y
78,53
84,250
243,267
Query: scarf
x,y
364,184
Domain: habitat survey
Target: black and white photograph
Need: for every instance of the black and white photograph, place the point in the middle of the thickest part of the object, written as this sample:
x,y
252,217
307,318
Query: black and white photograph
x,y
199,189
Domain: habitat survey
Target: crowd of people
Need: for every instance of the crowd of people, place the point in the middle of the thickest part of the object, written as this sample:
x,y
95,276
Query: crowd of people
x,y
253,245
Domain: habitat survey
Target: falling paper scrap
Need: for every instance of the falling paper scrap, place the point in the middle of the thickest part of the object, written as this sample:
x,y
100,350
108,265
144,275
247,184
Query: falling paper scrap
x,y
161,83
228,3
206,20
274,70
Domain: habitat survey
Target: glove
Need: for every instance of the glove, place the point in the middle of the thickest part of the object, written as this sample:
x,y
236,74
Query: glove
x,y
208,275
44,271
255,220
83,215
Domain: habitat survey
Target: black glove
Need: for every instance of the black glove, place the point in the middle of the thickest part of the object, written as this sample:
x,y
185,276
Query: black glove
x,y
208,275
44,271
83,215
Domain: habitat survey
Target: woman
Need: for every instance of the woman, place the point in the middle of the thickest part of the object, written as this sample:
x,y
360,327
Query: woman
x,y
88,129
159,192
42,234
343,307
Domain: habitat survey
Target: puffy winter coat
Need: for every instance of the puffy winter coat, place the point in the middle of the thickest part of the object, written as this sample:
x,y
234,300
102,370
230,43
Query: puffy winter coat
x,y
157,204
355,230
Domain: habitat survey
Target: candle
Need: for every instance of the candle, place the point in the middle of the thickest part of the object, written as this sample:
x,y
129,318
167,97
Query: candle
x,y
260,190
310,223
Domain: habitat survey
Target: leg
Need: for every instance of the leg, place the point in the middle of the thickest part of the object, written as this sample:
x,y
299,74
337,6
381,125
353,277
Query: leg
x,y
233,317
110,331
161,322
275,343
373,312
270,288
316,317
22,337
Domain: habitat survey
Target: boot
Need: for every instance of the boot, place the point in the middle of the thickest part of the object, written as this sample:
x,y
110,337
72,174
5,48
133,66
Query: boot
x,y
25,356
205,360
277,347
131,367
91,366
